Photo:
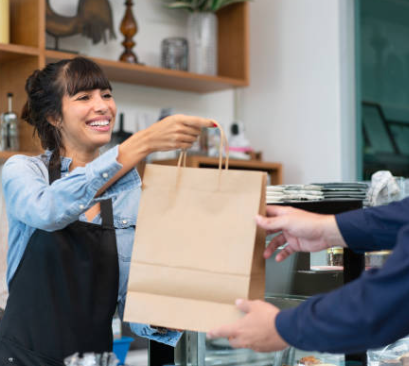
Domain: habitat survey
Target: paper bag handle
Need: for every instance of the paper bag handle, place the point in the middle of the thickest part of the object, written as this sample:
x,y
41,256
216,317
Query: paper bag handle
x,y
223,143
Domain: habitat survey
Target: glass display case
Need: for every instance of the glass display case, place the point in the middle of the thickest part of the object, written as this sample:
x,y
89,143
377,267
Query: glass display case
x,y
287,284
195,350
396,354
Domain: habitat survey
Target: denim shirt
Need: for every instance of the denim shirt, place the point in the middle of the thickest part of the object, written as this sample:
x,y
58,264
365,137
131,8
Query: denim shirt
x,y
32,203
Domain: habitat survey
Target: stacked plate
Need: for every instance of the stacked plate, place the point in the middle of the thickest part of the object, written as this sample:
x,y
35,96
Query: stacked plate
x,y
316,192
344,191
293,193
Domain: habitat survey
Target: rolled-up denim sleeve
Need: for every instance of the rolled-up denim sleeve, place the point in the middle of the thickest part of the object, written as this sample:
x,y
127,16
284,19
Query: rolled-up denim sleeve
x,y
33,201
170,338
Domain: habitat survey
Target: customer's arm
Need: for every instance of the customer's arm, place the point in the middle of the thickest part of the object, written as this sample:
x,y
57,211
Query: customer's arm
x,y
374,228
361,230
367,313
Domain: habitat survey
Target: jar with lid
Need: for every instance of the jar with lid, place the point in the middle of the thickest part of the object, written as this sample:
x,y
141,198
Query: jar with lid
x,y
335,256
376,259
175,53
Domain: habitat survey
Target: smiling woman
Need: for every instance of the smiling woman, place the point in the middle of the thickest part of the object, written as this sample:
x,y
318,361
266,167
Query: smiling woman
x,y
72,216
76,97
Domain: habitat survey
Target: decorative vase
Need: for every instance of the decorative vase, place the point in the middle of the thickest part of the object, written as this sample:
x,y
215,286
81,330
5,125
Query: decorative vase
x,y
202,35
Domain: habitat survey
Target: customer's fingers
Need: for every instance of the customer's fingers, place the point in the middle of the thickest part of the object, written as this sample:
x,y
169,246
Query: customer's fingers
x,y
243,305
275,243
237,343
274,210
271,223
285,253
225,331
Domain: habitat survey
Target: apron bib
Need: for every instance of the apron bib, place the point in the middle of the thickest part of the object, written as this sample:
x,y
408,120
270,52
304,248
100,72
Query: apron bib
x,y
63,295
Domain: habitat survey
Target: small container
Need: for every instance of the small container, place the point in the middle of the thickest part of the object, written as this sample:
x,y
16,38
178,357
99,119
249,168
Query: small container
x,y
376,259
335,256
175,54
121,348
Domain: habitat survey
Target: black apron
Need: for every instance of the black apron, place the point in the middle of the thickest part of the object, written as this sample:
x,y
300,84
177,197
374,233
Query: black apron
x,y
63,295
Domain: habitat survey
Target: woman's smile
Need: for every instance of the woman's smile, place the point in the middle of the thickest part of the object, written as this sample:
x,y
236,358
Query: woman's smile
x,y
99,124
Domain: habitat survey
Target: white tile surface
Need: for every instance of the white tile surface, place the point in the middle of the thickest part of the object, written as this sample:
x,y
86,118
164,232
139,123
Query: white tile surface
x,y
137,358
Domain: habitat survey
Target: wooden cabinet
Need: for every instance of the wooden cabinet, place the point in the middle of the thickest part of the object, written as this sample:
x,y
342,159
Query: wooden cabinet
x,y
273,170
26,52
19,59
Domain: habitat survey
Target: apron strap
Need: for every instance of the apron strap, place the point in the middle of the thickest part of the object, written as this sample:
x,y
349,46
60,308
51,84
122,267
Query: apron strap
x,y
107,213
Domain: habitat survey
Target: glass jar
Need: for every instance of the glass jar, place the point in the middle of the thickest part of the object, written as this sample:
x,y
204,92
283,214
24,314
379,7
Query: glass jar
x,y
335,256
376,259
175,53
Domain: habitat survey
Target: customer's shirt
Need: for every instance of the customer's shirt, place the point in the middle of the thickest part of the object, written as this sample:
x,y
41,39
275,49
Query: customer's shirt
x,y
371,311
32,203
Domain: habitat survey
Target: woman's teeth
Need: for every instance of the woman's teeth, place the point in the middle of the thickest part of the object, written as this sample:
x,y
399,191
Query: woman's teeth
x,y
99,123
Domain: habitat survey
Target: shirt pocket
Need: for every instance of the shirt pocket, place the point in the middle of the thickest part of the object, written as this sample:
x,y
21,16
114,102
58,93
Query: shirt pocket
x,y
125,233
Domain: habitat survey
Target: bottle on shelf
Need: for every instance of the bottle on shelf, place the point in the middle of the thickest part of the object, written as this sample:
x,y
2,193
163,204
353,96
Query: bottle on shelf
x,y
9,128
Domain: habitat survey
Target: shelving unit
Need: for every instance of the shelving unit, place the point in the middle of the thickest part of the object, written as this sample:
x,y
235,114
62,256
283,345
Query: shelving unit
x,y
26,53
155,76
9,52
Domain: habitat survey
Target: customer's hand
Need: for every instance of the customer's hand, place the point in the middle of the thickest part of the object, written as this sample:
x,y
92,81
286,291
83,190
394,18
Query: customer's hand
x,y
256,330
176,132
303,231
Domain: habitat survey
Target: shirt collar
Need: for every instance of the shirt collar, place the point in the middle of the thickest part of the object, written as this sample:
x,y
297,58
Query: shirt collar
x,y
65,162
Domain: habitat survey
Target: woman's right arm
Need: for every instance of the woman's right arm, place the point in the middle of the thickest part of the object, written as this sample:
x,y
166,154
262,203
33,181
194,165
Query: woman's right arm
x,y
171,133
32,200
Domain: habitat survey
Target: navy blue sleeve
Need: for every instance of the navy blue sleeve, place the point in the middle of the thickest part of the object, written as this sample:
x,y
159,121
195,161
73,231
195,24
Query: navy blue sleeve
x,y
369,312
374,228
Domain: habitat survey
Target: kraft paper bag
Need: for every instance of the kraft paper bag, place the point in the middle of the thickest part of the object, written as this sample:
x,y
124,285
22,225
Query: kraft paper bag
x,y
197,247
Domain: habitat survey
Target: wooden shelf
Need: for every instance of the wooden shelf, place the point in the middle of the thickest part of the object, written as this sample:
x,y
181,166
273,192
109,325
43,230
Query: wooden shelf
x,y
9,52
233,60
27,52
155,76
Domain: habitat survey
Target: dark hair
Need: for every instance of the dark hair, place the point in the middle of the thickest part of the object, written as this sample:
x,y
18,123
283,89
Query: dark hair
x,y
45,89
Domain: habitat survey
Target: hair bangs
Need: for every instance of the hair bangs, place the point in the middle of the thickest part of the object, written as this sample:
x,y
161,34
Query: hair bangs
x,y
82,74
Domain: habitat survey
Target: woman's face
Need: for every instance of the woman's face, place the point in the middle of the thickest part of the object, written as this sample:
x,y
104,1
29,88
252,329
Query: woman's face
x,y
88,119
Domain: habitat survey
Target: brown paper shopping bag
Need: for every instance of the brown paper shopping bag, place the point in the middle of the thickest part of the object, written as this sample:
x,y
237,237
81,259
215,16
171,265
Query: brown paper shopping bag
x,y
197,247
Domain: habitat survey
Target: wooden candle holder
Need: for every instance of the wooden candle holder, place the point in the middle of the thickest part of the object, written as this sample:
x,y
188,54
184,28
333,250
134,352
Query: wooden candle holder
x,y
129,28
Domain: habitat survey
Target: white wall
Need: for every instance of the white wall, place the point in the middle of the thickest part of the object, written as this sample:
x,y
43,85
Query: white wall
x,y
155,22
292,109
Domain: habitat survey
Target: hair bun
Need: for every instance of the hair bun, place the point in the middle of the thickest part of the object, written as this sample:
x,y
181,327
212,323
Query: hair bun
x,y
26,114
31,81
